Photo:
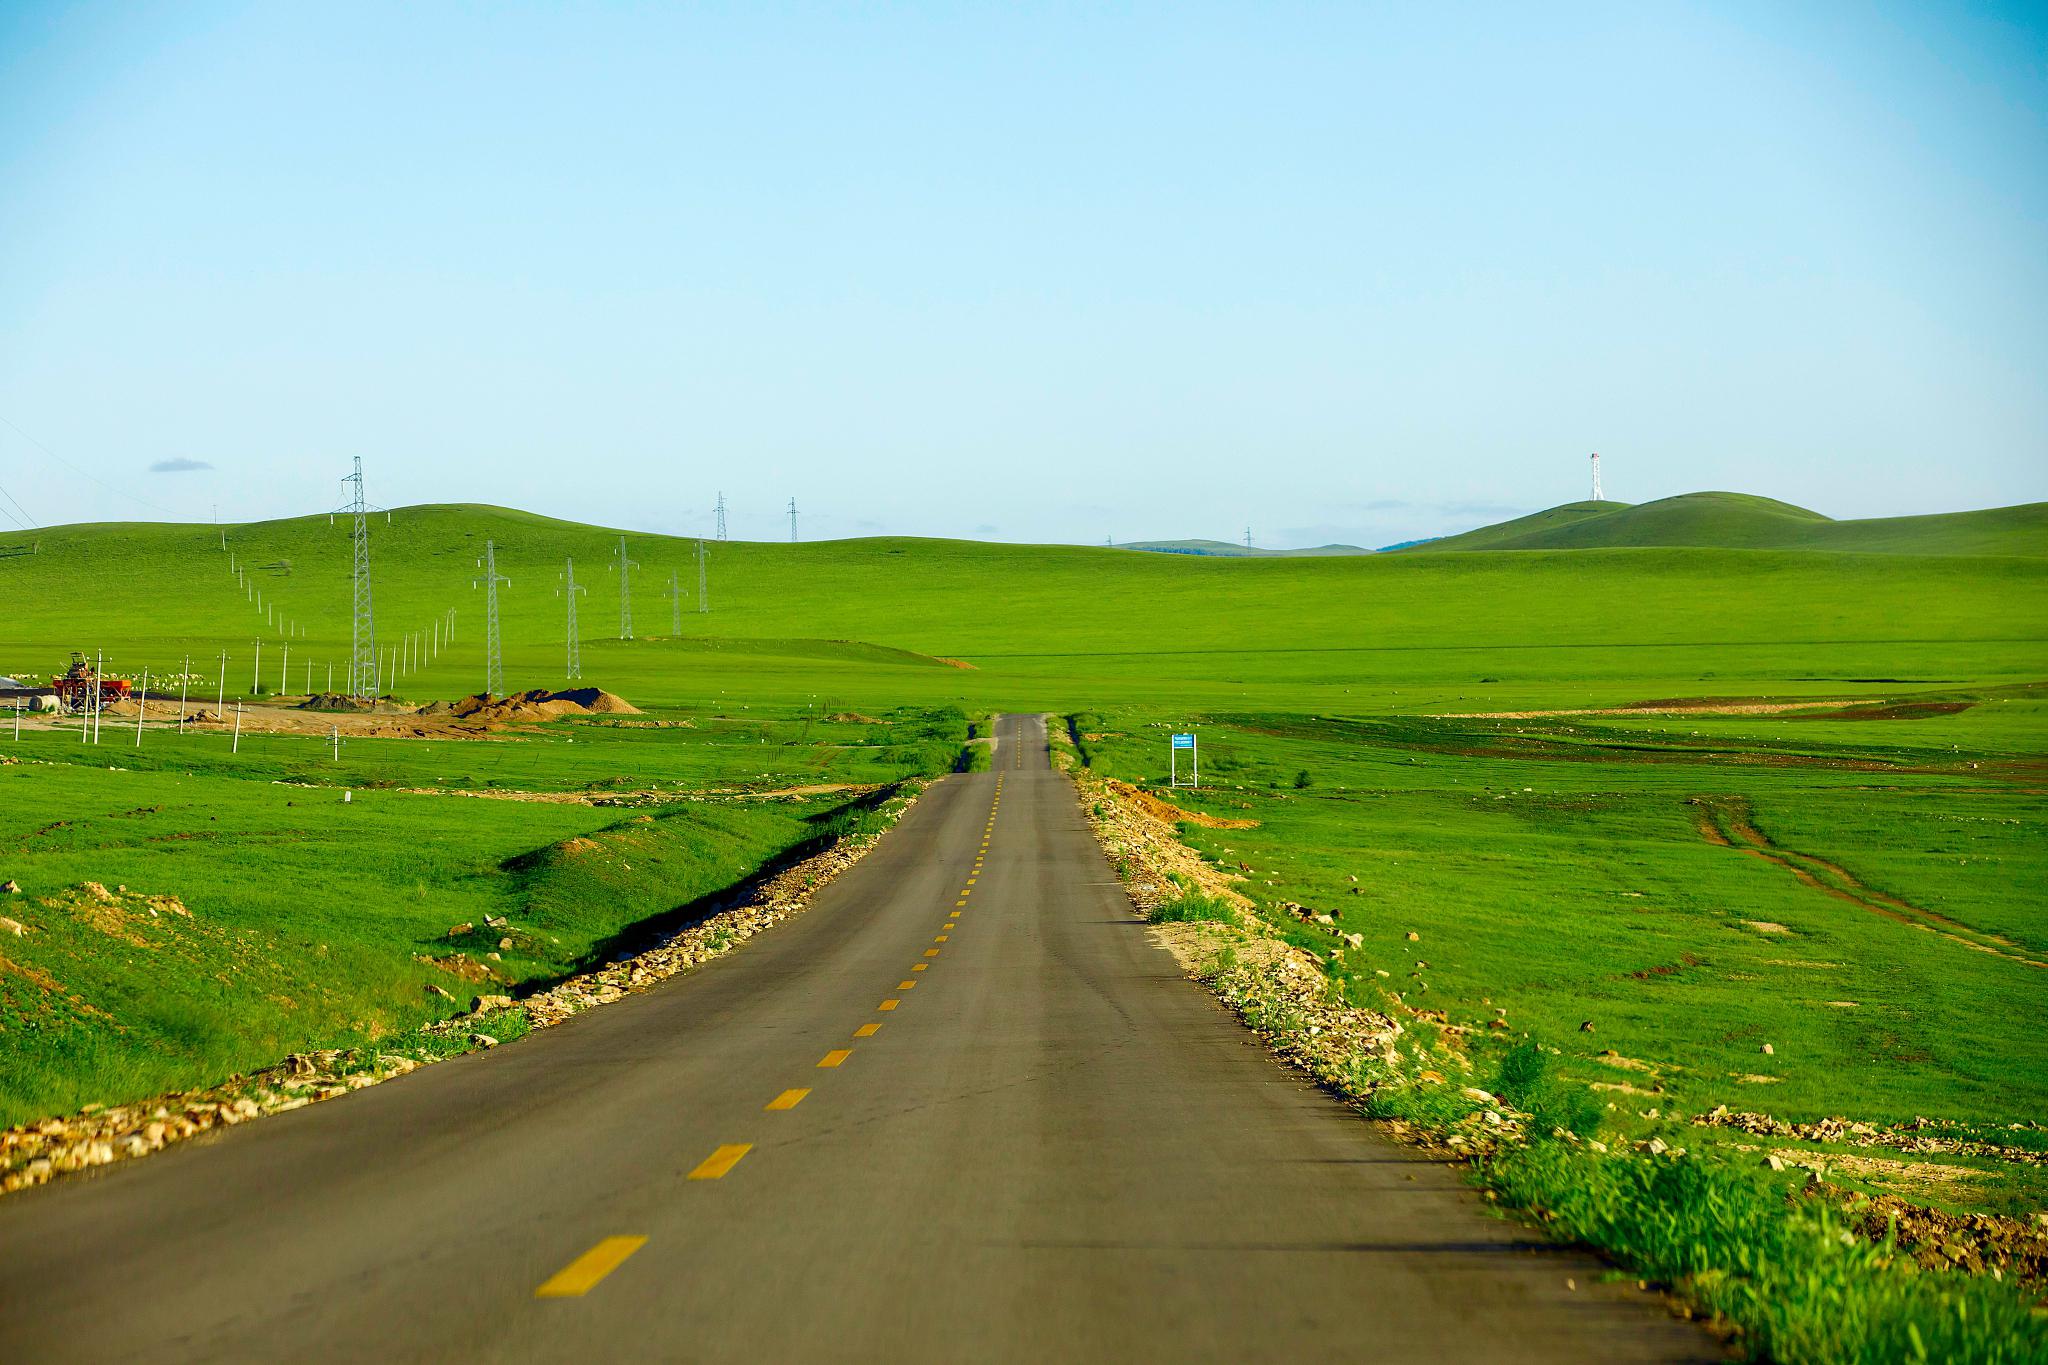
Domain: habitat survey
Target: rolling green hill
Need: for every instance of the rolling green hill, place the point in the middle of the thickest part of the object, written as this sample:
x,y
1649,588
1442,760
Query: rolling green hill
x,y
1227,550
1035,622
1743,521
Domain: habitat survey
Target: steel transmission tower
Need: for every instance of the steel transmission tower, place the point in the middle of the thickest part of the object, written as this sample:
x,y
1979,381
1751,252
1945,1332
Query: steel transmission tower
x,y
675,603
362,668
569,590
721,514
494,666
625,569
703,583
792,521
1596,477
1247,537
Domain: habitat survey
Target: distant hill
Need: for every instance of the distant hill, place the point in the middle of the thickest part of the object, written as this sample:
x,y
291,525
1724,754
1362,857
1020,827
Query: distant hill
x,y
1226,550
1742,521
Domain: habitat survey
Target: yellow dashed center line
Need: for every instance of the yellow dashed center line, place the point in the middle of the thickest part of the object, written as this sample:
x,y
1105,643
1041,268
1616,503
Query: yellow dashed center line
x,y
581,1275
921,966
788,1099
715,1166
959,902
906,985
888,1004
931,952
867,1030
836,1056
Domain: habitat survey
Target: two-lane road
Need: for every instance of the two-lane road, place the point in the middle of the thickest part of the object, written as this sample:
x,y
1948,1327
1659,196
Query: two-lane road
x,y
961,1109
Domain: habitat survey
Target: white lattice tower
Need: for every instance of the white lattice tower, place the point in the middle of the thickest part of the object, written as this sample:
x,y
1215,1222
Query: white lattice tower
x,y
574,664
362,669
1596,478
625,567
494,665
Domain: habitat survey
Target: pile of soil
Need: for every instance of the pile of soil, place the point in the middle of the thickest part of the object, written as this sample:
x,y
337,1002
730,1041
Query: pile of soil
x,y
596,701
539,704
335,701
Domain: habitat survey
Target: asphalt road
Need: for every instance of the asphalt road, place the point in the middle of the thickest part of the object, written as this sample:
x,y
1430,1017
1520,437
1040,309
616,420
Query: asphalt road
x,y
879,1131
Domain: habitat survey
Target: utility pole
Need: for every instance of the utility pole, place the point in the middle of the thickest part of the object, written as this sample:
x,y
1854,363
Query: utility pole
x,y
220,701
256,672
184,689
494,667
574,665
141,706
363,634
1247,537
625,569
721,514
792,521
284,672
703,582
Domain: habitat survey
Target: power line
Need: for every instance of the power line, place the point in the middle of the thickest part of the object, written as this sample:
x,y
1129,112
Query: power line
x,y
86,474
27,522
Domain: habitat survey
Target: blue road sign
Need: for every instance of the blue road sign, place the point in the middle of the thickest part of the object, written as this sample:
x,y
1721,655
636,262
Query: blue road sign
x,y
1183,741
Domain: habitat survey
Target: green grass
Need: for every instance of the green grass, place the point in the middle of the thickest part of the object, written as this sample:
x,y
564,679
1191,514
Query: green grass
x,y
315,922
1559,870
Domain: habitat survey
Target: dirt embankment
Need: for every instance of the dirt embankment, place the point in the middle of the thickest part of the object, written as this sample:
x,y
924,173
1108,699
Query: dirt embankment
x,y
324,713
1169,813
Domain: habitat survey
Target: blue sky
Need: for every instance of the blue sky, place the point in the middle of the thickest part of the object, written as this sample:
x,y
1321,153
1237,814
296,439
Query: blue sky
x,y
1030,272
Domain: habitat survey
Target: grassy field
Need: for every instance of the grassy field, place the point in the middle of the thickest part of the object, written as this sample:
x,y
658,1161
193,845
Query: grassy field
x,y
1600,872
1856,885
244,910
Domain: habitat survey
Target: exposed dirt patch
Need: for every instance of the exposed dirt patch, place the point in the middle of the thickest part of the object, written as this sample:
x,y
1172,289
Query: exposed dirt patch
x,y
1679,706
1765,926
1168,812
1727,821
1976,1242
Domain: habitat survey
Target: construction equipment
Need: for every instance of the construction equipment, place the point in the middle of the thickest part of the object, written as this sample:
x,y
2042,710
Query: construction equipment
x,y
82,686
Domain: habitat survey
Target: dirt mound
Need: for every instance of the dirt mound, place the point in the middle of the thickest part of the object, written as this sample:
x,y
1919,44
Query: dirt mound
x,y
537,704
335,701
851,718
596,701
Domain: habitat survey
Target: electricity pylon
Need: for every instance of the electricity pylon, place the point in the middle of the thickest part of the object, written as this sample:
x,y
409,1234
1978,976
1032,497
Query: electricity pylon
x,y
570,588
494,666
721,514
792,520
362,668
625,568
675,603
703,582
1596,477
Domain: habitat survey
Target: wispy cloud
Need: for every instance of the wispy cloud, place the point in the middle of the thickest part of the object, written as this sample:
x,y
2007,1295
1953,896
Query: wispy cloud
x,y
181,465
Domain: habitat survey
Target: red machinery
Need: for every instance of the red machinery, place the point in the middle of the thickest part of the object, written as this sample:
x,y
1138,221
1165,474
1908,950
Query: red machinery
x,y
81,685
